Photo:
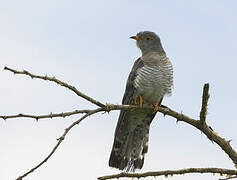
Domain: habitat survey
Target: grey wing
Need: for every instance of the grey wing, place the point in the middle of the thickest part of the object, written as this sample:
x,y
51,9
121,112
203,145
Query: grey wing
x,y
128,96
122,129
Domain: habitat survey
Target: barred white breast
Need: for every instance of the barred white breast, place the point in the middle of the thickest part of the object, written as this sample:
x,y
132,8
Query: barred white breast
x,y
153,82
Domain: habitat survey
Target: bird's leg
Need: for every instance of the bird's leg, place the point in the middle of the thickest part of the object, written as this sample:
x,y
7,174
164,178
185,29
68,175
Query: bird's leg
x,y
140,101
135,100
156,107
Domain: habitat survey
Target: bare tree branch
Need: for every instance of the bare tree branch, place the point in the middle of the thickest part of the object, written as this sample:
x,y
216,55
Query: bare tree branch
x,y
51,115
229,177
166,111
60,139
167,173
213,136
199,124
205,97
53,79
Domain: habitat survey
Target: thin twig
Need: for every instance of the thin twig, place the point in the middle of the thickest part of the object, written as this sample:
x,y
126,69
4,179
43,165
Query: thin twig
x,y
167,173
213,136
107,108
64,84
60,139
229,177
51,115
205,97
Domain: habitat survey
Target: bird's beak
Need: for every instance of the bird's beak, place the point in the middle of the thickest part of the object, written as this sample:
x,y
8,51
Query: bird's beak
x,y
135,37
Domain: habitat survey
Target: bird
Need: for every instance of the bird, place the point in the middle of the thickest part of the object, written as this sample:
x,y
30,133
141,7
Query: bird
x,y
150,79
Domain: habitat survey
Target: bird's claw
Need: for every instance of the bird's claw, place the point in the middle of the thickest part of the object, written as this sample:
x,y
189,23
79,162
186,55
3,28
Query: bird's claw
x,y
140,103
156,107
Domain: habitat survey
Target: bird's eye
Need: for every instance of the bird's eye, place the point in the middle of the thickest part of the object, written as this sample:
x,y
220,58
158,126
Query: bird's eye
x,y
148,38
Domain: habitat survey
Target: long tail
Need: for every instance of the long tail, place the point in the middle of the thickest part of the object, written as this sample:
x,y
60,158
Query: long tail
x,y
130,144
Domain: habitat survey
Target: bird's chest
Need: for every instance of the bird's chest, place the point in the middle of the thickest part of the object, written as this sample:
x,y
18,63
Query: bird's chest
x,y
152,83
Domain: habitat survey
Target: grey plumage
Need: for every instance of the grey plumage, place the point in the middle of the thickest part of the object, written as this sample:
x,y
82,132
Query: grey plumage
x,y
152,78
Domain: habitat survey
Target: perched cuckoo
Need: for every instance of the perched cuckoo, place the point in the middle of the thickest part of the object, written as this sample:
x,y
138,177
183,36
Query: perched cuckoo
x,y
149,81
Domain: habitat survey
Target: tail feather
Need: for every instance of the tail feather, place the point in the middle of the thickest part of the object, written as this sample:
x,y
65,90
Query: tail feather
x,y
128,151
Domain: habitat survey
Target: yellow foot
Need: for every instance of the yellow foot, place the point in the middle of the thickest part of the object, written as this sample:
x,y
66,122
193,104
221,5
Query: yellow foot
x,y
140,100
135,100
156,107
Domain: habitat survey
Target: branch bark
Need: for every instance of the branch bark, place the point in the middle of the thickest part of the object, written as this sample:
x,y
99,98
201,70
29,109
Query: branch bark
x,y
51,115
229,177
167,173
60,139
59,82
205,97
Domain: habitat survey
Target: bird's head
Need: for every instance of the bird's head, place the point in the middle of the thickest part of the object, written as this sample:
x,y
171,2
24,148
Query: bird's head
x,y
148,42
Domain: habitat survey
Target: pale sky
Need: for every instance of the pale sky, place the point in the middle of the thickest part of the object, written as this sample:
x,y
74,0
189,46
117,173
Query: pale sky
x,y
86,43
